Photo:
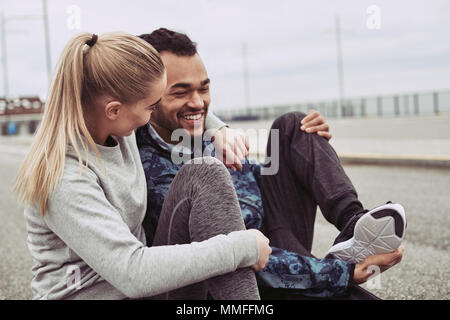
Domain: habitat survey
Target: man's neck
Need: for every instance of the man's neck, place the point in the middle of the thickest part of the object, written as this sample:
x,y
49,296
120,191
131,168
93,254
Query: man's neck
x,y
163,132
166,135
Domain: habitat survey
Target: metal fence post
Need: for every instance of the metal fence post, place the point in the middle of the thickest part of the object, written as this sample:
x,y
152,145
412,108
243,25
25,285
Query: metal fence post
x,y
406,104
335,106
322,109
416,103
396,106
363,107
379,106
436,103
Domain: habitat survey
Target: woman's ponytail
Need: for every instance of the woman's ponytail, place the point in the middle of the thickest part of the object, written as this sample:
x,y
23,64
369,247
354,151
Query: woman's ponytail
x,y
116,64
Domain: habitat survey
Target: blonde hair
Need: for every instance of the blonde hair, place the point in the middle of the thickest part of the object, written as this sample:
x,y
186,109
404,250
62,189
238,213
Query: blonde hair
x,y
119,65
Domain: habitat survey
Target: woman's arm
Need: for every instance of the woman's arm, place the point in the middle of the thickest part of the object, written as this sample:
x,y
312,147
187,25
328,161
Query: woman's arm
x,y
231,145
82,217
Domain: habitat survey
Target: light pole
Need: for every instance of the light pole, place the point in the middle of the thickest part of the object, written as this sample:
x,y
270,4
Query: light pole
x,y
4,52
4,56
340,65
47,40
246,80
3,34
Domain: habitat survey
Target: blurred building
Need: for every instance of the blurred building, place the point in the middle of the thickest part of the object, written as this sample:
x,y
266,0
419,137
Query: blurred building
x,y
20,116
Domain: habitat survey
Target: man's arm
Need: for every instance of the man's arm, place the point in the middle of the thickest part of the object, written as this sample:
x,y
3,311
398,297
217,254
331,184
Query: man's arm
x,y
213,122
307,275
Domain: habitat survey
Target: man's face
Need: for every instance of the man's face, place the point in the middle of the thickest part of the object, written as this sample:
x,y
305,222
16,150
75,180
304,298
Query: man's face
x,y
185,101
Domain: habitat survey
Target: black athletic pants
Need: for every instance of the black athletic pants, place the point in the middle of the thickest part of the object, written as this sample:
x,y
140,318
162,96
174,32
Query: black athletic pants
x,y
309,175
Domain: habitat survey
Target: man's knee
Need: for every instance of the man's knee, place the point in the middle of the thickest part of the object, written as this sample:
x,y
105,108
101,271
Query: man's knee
x,y
288,121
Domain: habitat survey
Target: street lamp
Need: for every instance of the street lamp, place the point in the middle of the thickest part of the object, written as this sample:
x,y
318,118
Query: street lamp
x,y
4,61
3,21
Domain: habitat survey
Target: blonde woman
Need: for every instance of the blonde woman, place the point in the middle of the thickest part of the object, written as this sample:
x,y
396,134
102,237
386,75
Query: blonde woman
x,y
85,192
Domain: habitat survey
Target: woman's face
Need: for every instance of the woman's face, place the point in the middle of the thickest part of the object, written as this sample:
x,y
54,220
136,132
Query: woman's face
x,y
138,114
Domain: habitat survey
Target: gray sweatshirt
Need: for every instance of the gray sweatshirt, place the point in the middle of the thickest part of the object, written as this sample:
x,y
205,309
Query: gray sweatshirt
x,y
90,243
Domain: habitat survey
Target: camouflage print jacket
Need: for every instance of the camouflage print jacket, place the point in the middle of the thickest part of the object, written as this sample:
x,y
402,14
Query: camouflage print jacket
x,y
287,270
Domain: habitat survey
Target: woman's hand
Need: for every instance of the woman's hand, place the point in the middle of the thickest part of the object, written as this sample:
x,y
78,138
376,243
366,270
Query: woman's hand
x,y
264,250
314,122
231,147
382,261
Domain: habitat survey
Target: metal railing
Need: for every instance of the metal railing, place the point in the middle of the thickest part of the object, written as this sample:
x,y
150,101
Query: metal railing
x,y
15,114
410,104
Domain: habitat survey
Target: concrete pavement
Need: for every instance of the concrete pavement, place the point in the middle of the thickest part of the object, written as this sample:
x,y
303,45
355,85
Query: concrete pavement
x,y
418,141
423,273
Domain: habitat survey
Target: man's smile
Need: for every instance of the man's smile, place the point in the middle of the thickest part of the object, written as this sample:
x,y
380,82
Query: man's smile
x,y
192,117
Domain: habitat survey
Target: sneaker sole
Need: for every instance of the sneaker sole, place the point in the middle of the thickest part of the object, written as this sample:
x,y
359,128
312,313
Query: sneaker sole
x,y
378,231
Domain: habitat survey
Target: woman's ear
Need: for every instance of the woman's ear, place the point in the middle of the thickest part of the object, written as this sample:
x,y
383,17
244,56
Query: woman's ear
x,y
112,109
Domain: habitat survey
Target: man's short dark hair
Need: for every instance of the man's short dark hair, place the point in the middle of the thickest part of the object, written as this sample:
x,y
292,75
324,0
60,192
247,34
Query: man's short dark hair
x,y
174,42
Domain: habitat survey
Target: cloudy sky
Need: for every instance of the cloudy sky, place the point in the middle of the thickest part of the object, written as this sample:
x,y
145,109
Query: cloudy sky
x,y
291,44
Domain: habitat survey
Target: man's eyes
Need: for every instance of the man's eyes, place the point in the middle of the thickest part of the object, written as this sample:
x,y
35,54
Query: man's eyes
x,y
183,93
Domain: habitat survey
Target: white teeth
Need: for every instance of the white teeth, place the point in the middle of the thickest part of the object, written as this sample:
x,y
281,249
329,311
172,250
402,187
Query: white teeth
x,y
193,117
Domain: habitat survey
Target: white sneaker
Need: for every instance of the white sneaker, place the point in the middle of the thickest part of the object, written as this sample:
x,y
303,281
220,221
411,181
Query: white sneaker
x,y
380,230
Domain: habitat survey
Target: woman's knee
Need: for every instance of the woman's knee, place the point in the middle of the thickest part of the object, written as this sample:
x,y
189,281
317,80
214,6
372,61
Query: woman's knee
x,y
205,170
211,185
208,160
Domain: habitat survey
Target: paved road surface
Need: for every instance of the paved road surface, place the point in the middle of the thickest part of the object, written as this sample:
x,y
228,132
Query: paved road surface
x,y
15,266
427,135
423,274
424,192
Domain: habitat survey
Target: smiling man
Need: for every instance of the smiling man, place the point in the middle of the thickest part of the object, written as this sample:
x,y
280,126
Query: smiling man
x,y
186,100
283,205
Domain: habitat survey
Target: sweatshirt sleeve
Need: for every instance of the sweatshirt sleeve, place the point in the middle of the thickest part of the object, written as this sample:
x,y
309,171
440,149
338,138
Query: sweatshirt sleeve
x,y
79,213
213,122
306,275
